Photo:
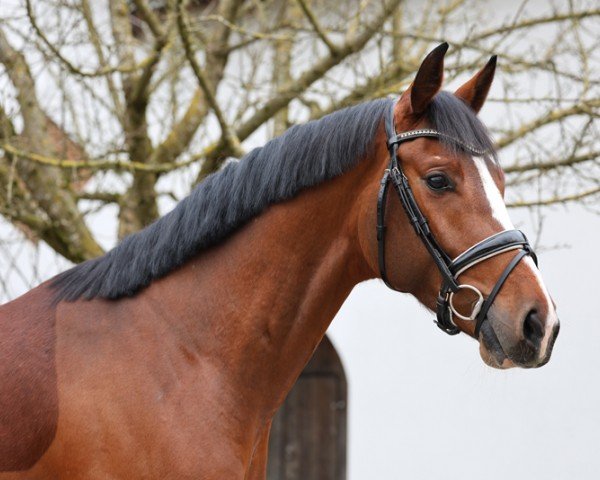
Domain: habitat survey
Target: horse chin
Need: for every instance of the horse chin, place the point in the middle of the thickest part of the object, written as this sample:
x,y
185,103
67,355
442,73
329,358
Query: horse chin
x,y
491,350
495,359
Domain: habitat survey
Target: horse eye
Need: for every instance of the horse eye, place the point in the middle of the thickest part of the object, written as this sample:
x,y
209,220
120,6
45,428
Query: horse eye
x,y
438,181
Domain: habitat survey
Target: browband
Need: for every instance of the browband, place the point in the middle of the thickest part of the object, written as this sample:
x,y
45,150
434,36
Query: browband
x,y
428,132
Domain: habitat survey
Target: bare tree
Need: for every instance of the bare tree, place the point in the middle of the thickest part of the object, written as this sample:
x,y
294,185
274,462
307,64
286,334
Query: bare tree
x,y
115,109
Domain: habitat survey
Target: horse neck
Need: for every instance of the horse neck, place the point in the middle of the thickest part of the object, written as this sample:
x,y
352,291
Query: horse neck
x,y
258,305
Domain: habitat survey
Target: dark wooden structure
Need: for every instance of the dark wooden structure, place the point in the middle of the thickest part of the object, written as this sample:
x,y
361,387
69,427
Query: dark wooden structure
x,y
308,437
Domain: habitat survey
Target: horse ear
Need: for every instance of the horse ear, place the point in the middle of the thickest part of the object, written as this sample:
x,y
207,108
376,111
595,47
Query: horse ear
x,y
475,91
428,80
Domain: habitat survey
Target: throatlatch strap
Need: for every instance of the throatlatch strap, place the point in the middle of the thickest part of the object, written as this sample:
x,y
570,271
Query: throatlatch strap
x,y
421,226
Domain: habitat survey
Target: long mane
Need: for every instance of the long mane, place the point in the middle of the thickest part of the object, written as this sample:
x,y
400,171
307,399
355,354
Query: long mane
x,y
304,156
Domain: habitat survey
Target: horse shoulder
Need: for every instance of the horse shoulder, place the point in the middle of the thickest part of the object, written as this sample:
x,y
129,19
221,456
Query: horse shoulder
x,y
28,385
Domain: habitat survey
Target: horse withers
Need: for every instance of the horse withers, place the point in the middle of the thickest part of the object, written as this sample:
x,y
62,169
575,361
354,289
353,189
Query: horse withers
x,y
168,356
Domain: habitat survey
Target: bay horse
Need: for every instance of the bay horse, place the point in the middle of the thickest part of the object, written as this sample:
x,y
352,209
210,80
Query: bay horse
x,y
168,356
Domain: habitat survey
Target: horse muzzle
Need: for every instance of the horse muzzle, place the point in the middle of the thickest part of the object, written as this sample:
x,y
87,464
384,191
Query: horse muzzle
x,y
531,347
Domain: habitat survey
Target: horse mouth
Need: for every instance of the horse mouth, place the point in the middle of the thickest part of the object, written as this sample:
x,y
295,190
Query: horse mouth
x,y
521,355
491,350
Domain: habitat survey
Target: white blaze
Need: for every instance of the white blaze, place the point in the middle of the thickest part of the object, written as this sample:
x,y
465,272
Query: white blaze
x,y
493,194
500,213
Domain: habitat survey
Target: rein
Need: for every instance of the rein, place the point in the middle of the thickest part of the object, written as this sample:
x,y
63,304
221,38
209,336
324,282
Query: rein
x,y
450,269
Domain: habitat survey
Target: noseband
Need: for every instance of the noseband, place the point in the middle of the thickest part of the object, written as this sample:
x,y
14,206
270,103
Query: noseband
x,y
450,269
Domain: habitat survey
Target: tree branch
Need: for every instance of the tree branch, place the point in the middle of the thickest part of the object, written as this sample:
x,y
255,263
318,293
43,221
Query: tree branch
x,y
228,136
291,90
555,200
583,108
151,20
182,133
317,28
70,66
68,234
553,164
295,88
534,22
105,165
96,43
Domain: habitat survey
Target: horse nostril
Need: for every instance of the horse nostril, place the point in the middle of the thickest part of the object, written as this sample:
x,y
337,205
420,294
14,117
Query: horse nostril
x,y
533,328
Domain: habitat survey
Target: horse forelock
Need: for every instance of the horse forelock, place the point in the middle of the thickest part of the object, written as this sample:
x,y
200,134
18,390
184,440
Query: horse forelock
x,y
452,117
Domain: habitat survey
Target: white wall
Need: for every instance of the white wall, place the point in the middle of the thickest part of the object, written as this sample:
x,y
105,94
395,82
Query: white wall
x,y
422,405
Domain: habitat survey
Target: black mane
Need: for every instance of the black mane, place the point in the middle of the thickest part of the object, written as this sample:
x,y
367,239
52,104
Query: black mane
x,y
304,156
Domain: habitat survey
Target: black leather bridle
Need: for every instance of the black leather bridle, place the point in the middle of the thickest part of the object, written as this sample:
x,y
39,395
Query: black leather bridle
x,y
450,269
